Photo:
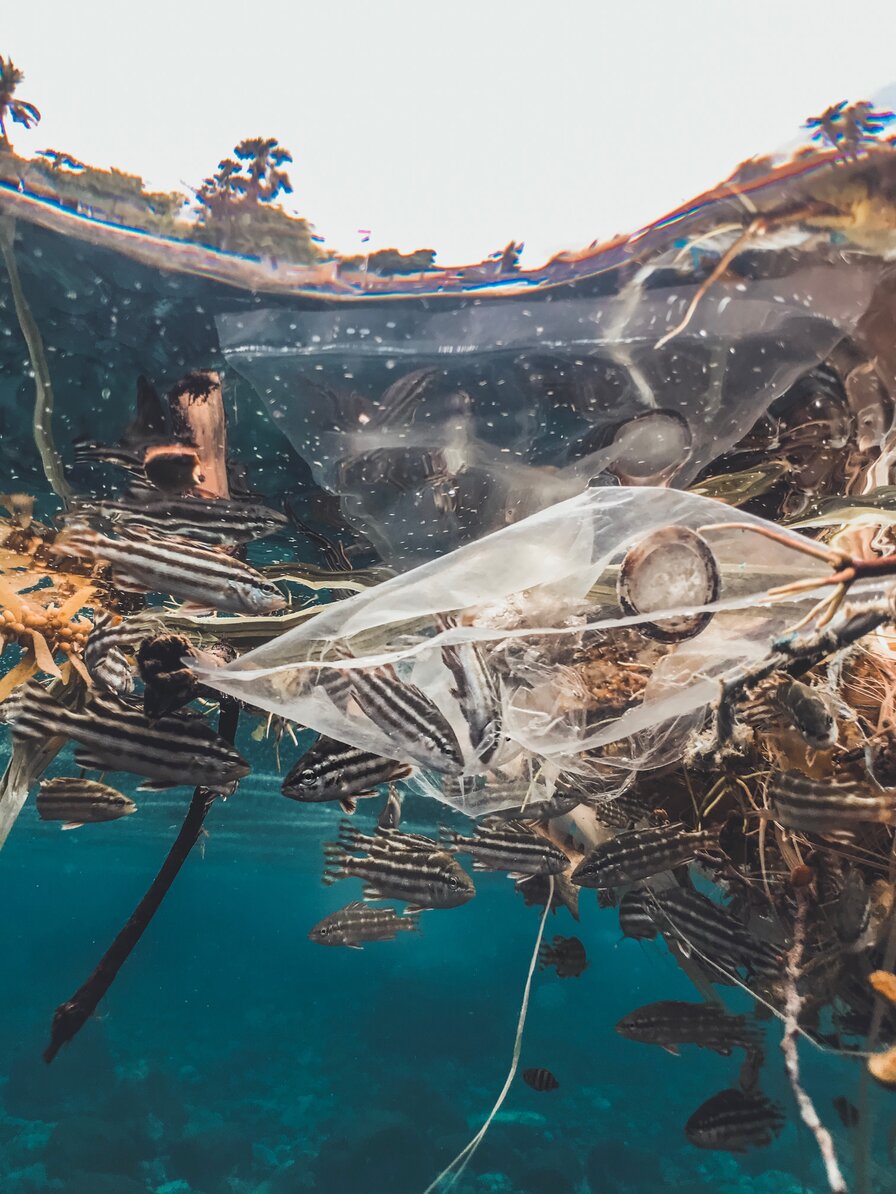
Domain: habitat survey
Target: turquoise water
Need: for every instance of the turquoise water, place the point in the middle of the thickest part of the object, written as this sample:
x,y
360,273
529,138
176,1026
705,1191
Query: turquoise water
x,y
232,1055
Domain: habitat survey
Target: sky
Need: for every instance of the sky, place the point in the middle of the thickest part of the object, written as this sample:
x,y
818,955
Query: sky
x,y
454,125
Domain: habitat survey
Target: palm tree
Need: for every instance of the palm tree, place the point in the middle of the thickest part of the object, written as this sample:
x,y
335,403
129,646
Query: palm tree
x,y
848,127
265,157
17,110
220,192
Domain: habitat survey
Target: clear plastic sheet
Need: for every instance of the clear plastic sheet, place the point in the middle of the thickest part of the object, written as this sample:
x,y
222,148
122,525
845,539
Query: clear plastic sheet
x,y
537,599
435,425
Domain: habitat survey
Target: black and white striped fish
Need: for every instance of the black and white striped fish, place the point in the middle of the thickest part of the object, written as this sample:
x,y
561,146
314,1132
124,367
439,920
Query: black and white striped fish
x,y
734,1121
639,853
81,801
536,890
508,846
385,841
565,954
423,877
146,562
405,712
672,1022
819,806
210,521
476,691
540,1079
114,734
636,915
106,650
390,815
330,770
357,923
696,922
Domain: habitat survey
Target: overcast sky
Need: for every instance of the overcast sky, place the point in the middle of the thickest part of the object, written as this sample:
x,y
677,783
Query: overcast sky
x,y
455,125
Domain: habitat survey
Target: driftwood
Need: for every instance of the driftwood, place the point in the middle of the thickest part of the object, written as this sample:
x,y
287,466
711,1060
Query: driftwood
x,y
197,415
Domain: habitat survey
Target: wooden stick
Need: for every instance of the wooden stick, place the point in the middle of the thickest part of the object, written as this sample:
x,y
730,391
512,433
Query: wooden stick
x,y
197,414
71,1016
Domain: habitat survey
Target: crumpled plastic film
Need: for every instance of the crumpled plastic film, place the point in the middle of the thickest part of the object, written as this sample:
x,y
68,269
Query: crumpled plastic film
x,y
533,598
436,425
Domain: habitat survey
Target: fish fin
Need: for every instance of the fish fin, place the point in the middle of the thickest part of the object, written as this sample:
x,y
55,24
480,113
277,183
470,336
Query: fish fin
x,y
372,893
349,804
355,905
673,1049
353,945
193,607
330,876
156,785
515,875
72,825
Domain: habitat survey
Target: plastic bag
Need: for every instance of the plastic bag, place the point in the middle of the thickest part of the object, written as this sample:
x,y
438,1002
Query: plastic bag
x,y
579,679
437,425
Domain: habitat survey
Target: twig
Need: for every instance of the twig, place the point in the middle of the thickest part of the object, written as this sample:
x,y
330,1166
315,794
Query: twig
x,y
792,1008
71,1016
43,386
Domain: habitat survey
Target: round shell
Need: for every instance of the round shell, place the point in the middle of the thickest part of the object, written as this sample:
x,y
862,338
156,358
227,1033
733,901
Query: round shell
x,y
669,568
650,446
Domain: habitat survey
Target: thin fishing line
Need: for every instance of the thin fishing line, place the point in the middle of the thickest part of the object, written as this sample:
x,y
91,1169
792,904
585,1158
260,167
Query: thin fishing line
x,y
466,1153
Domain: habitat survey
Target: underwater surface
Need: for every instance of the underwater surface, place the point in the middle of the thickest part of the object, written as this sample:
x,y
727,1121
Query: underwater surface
x,y
501,560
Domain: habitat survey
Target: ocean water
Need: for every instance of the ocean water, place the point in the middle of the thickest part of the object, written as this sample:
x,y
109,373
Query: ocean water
x,y
232,1055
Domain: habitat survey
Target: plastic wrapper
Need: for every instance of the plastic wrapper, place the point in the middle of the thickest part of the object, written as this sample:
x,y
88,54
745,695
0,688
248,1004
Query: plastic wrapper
x,y
435,426
582,683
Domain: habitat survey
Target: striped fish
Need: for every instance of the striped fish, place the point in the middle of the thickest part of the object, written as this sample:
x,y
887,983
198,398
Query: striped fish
x,y
696,922
734,1121
330,770
565,954
358,923
540,1080
812,712
146,562
672,1022
818,806
508,846
106,650
211,521
81,801
476,691
406,712
636,915
639,853
113,734
536,889
385,841
423,877
390,816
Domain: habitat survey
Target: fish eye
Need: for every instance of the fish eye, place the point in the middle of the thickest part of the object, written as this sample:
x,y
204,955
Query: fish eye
x,y
308,779
270,590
